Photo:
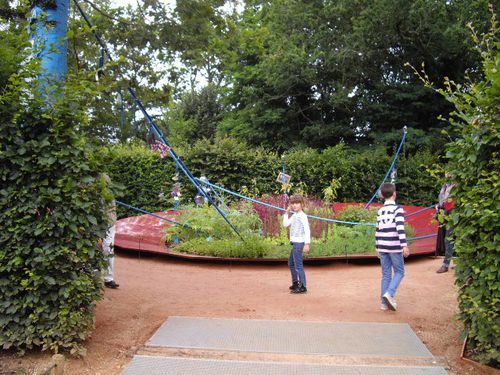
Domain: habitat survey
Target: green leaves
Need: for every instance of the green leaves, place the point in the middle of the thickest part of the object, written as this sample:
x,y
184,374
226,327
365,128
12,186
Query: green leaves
x,y
475,169
51,217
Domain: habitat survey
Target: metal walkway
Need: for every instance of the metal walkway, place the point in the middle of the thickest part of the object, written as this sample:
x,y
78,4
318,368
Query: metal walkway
x,y
146,365
298,347
298,337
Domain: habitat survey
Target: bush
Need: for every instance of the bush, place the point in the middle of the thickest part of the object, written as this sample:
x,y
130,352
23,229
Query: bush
x,y
252,171
142,174
210,235
474,168
52,215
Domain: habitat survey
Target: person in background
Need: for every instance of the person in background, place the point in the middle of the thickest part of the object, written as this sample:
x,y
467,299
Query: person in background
x,y
300,239
108,243
390,239
446,206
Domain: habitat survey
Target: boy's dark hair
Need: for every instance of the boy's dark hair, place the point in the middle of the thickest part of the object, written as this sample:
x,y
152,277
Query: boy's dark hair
x,y
297,199
387,190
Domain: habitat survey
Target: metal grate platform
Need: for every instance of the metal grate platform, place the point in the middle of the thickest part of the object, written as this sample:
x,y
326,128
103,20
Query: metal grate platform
x,y
152,365
294,337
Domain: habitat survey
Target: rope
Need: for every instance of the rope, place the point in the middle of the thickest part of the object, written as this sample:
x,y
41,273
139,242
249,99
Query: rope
x,y
152,214
421,237
393,164
196,181
281,209
422,210
156,129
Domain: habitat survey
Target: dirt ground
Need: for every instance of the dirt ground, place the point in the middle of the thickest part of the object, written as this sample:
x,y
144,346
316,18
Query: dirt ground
x,y
152,288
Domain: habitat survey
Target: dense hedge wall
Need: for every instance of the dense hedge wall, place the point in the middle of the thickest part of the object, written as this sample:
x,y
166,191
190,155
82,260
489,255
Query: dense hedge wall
x,y
51,218
253,171
474,166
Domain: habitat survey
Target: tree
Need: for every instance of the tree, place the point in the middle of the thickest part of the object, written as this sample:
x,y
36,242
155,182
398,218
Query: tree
x,y
316,73
196,115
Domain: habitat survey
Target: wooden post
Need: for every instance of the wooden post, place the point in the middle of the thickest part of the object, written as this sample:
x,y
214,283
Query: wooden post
x,y
58,362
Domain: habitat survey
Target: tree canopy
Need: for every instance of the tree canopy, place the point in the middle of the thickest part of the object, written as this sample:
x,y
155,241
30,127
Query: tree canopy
x,y
278,74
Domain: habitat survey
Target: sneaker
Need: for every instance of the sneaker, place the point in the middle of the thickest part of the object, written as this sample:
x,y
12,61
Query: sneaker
x,y
390,301
294,285
442,269
384,307
111,284
299,290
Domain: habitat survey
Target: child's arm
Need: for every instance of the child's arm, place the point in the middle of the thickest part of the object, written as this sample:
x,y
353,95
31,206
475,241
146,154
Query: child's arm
x,y
307,234
287,220
400,227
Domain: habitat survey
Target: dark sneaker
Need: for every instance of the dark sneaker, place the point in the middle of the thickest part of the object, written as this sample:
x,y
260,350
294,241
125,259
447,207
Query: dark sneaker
x,y
111,284
299,290
294,285
442,269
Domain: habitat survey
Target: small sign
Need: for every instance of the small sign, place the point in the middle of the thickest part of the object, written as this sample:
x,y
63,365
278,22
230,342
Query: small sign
x,y
284,178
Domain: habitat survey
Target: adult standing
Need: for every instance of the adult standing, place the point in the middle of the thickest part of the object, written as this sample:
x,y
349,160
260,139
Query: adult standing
x,y
108,243
445,206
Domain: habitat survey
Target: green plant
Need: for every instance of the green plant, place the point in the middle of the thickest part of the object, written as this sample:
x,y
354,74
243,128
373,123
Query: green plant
x,y
358,214
473,164
52,205
210,235
330,192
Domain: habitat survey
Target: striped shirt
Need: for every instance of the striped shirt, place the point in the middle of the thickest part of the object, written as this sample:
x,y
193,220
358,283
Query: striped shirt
x,y
390,233
299,227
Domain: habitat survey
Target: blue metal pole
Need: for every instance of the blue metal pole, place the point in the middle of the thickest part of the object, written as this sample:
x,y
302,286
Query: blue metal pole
x,y
49,35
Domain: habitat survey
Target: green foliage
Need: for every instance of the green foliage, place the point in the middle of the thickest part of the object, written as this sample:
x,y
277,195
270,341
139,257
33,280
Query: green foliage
x,y
358,214
206,221
238,167
210,235
51,217
317,73
474,168
142,174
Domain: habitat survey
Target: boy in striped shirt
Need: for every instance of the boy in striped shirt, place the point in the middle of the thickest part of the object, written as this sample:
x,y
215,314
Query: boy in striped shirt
x,y
391,245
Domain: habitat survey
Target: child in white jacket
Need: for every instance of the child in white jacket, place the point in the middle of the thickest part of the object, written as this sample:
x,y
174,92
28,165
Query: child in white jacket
x,y
300,239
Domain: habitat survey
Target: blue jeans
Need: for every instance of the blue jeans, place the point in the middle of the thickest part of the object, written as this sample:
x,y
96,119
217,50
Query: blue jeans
x,y
390,262
296,263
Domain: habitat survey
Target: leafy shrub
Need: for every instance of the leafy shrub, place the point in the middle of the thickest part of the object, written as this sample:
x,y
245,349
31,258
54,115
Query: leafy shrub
x,y
474,168
142,174
210,235
52,215
234,165
358,214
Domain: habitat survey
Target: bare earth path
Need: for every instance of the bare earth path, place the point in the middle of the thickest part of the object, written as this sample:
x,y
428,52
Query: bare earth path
x,y
154,288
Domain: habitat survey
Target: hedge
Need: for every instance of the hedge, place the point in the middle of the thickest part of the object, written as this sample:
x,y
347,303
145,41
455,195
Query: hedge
x,y
51,218
252,171
475,169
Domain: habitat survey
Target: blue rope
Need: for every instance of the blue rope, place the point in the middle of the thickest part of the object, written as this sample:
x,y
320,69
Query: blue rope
x,y
421,237
156,129
395,159
422,210
282,209
152,214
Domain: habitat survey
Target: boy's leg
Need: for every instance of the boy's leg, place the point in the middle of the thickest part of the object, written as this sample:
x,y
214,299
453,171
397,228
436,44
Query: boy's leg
x,y
297,251
398,264
386,263
291,264
107,247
